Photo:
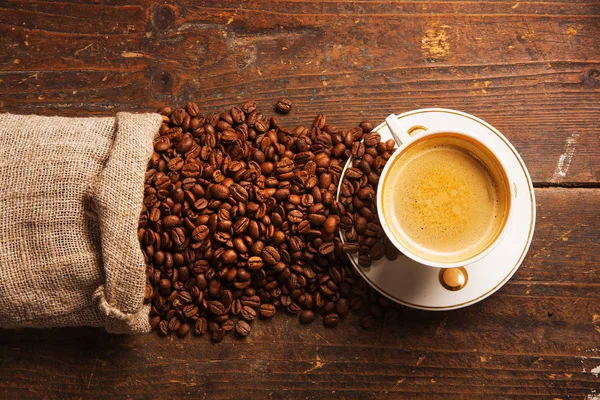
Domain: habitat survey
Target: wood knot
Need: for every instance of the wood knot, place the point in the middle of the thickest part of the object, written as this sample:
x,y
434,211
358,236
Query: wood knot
x,y
163,82
163,17
590,78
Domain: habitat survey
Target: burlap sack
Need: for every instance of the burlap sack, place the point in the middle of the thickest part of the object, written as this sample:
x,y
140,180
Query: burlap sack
x,y
71,192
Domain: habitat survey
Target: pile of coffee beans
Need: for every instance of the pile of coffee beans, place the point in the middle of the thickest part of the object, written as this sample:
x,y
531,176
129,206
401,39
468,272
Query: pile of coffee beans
x,y
240,220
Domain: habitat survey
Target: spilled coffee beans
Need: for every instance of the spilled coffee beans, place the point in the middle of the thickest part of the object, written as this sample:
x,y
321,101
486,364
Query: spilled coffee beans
x,y
240,220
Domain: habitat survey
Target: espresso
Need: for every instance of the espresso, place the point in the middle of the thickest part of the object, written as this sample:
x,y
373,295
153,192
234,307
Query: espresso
x,y
445,198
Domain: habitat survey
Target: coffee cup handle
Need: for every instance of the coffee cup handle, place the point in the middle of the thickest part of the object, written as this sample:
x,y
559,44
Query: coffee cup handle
x,y
398,130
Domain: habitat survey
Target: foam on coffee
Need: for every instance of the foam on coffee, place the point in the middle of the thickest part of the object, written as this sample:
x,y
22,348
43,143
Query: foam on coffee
x,y
445,198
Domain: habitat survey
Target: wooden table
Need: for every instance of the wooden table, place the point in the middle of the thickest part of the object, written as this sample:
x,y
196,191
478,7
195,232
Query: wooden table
x,y
531,69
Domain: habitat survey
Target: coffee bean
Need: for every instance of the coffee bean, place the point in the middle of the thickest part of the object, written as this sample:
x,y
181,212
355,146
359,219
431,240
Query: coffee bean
x,y
307,316
320,121
219,192
377,251
217,308
295,216
163,328
248,313
238,192
372,139
170,222
249,107
229,256
351,247
284,105
316,219
243,328
342,307
255,263
354,173
251,301
366,126
154,322
218,335
367,321
330,224
326,248
183,330
227,325
364,261
391,253
174,324
271,255
267,310
200,233
165,286
356,303
200,326
331,319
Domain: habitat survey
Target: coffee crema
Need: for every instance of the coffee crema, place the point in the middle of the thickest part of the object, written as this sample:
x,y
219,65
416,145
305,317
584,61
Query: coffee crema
x,y
445,198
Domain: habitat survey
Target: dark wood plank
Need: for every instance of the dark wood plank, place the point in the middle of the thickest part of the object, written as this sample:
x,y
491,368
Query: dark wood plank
x,y
532,69
540,342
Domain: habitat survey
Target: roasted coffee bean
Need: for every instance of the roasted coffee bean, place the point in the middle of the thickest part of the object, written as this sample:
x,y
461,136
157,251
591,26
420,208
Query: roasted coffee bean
x,y
358,149
377,251
238,192
251,301
200,326
227,325
218,335
183,330
271,255
295,216
165,286
154,322
326,248
217,308
372,139
316,219
367,321
229,256
391,253
342,307
356,303
364,261
255,263
267,310
249,107
354,173
307,316
200,233
248,313
331,319
351,247
170,222
284,105
219,191
243,328
174,324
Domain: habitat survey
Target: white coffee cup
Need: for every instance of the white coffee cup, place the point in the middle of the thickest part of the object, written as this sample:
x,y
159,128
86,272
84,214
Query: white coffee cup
x,y
403,137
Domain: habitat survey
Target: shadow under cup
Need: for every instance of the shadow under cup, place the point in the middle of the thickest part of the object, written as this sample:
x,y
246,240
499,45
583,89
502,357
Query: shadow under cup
x,y
445,199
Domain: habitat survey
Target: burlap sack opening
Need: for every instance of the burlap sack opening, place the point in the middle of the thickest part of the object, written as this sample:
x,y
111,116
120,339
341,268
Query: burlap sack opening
x,y
71,192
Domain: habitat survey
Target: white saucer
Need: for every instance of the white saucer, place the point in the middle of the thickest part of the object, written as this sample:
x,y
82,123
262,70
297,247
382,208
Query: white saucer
x,y
418,286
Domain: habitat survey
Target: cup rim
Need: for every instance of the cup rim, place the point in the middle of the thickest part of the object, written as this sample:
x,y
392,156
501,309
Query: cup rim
x,y
407,252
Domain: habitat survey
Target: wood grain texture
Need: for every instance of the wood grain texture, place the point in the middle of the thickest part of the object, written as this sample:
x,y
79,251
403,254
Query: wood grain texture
x,y
538,337
530,68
